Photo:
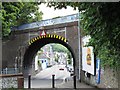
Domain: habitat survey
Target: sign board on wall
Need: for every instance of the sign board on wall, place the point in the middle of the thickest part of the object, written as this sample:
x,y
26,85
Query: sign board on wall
x,y
98,71
88,63
42,33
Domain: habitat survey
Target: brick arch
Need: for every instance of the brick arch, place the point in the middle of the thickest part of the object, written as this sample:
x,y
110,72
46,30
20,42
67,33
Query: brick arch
x,y
38,42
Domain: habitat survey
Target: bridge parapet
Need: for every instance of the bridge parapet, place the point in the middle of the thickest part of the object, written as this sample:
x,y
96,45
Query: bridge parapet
x,y
66,27
48,22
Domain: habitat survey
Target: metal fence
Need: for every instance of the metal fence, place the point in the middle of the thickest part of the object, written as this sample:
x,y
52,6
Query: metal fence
x,y
9,71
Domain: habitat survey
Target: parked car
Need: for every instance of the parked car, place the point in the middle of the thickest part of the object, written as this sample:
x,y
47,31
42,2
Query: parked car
x,y
70,68
61,69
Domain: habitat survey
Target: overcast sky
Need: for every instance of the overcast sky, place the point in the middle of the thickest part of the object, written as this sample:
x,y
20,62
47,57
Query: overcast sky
x,y
49,13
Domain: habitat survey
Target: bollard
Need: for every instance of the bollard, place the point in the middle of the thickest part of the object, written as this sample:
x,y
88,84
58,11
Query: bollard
x,y
53,81
74,77
29,81
20,82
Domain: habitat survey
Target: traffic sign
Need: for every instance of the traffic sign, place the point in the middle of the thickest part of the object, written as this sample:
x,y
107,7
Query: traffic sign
x,y
42,33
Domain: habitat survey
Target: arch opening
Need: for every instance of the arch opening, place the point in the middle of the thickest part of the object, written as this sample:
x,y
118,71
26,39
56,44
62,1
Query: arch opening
x,y
37,45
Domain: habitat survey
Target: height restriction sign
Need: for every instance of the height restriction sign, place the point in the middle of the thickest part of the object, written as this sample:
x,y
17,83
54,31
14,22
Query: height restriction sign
x,y
42,33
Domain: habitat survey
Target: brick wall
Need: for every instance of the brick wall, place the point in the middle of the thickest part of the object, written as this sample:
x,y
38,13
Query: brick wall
x,y
109,78
9,81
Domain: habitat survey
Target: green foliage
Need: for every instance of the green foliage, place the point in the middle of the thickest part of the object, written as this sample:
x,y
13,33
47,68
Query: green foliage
x,y
102,22
69,55
17,13
56,58
59,48
39,63
69,61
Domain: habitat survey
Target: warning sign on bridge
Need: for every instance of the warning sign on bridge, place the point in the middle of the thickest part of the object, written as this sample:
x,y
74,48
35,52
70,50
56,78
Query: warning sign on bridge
x,y
42,33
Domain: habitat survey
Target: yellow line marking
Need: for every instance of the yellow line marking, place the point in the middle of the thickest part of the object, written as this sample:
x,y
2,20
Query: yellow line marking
x,y
59,37
65,40
62,39
56,36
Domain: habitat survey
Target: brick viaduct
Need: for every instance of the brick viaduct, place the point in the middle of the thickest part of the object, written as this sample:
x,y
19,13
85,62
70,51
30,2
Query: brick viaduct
x,y
20,37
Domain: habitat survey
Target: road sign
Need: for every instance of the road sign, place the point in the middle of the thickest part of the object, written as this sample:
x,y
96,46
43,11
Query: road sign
x,y
42,33
98,71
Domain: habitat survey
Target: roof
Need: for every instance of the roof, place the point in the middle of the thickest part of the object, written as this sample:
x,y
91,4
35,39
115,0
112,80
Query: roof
x,y
42,56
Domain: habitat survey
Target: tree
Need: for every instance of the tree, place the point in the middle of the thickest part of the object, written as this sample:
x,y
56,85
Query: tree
x,y
18,13
102,22
59,48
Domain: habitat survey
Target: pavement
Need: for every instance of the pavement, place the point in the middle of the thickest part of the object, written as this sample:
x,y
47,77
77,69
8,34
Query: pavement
x,y
41,83
48,72
58,84
63,80
70,84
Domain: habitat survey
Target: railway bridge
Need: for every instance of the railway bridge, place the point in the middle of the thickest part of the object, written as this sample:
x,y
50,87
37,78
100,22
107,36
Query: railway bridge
x,y
25,41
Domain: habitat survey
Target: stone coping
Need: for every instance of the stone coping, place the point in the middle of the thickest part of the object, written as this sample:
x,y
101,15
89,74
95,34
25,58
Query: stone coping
x,y
11,75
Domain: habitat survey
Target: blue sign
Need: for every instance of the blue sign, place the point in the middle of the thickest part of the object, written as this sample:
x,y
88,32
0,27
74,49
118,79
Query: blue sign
x,y
98,71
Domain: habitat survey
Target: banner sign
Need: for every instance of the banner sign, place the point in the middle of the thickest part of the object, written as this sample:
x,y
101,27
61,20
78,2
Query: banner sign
x,y
88,62
98,70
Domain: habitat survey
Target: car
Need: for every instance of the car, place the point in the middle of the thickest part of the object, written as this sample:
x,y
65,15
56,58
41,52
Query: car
x,y
71,74
61,69
70,69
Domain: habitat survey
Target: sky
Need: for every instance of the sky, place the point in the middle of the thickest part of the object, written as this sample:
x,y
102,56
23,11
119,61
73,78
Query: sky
x,y
49,13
